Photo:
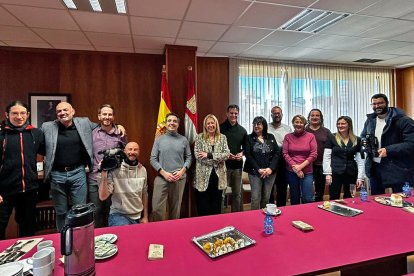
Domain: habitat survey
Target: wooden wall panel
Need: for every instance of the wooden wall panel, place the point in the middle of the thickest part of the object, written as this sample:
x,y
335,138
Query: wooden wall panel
x,y
213,88
405,90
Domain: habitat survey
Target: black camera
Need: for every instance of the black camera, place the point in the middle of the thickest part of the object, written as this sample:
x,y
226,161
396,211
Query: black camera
x,y
112,158
369,146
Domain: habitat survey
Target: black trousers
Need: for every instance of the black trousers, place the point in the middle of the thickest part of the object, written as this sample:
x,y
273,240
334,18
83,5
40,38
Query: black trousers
x,y
209,201
25,216
339,181
280,183
319,180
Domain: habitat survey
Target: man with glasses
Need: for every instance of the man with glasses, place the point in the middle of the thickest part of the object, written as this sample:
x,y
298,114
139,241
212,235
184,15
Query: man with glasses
x,y
236,137
19,144
279,130
393,163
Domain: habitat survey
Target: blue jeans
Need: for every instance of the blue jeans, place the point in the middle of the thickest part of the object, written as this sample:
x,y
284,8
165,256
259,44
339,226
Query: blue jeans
x,y
260,190
67,188
300,188
117,219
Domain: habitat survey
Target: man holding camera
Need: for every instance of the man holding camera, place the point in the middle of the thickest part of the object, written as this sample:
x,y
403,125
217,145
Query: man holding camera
x,y
104,137
393,163
129,189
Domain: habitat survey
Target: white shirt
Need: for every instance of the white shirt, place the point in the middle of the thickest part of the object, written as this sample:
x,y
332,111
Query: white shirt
x,y
279,132
379,128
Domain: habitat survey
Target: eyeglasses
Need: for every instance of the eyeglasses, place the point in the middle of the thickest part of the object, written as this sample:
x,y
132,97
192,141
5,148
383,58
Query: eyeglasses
x,y
15,114
378,104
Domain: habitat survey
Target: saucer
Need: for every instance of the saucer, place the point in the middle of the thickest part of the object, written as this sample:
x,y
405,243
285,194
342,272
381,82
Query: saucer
x,y
106,251
111,238
278,212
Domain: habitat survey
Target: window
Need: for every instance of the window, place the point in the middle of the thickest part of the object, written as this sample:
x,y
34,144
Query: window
x,y
257,86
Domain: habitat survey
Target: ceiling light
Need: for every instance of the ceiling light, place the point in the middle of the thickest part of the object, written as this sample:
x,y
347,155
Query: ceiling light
x,y
105,6
313,21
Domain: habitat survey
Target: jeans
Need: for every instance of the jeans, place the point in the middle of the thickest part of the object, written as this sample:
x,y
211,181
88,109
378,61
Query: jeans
x,y
234,180
67,188
167,192
260,190
25,216
375,182
101,207
117,219
300,188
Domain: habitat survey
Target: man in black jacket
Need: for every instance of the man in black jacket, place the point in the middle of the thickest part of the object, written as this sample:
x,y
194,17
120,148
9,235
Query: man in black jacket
x,y
394,162
19,144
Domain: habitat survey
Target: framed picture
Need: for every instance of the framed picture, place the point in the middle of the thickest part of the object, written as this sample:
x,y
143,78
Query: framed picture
x,y
43,107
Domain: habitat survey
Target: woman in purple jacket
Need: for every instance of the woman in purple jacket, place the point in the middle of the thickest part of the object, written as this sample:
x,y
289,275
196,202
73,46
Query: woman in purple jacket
x,y
300,151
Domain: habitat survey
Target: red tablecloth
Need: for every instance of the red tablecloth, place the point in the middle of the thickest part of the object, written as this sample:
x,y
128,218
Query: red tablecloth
x,y
380,232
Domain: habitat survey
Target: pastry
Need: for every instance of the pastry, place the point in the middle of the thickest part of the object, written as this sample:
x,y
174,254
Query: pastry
x,y
326,205
396,199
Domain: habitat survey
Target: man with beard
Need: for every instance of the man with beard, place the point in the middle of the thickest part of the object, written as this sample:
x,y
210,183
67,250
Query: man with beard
x,y
129,189
279,130
236,137
394,163
19,144
105,136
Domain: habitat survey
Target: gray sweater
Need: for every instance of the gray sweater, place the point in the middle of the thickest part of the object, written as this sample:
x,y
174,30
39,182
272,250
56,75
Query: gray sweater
x,y
171,152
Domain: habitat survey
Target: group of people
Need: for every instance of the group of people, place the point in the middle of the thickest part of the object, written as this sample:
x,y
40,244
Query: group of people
x,y
275,156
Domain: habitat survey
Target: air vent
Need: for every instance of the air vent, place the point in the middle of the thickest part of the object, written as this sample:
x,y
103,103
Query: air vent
x,y
313,21
368,60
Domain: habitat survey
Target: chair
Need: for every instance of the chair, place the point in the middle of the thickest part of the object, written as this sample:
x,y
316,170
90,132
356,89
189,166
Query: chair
x,y
45,218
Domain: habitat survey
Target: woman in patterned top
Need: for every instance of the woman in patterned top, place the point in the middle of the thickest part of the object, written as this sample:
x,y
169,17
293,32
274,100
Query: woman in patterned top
x,y
210,151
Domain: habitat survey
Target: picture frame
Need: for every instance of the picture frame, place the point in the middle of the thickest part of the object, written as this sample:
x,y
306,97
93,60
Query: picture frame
x,y
43,107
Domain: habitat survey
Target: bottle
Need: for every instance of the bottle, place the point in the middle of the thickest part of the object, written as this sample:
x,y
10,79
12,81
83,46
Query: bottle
x,y
268,225
407,189
363,193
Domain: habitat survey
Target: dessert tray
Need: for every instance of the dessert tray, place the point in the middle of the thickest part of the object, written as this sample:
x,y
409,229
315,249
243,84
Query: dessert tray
x,y
223,242
340,209
386,200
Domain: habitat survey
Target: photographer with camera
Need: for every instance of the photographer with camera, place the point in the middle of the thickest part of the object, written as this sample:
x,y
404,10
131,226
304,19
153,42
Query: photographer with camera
x,y
122,177
388,146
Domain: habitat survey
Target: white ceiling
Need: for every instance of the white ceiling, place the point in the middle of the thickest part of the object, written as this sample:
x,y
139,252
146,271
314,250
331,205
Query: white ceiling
x,y
377,29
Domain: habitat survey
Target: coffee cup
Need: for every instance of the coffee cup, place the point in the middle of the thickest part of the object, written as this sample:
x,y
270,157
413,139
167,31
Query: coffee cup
x,y
43,244
46,270
42,257
271,208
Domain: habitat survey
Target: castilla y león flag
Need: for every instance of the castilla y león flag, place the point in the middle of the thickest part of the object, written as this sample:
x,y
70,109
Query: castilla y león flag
x,y
165,104
191,108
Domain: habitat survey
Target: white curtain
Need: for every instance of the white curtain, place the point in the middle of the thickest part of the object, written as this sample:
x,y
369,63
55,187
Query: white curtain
x,y
257,86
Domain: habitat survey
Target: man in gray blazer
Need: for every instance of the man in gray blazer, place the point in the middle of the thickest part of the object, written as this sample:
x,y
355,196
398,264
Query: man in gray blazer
x,y
68,142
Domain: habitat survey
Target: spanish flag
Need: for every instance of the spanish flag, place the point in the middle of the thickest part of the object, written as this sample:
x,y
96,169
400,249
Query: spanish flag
x,y
165,104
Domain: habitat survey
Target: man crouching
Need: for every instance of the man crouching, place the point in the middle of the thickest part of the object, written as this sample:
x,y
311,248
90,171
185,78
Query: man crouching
x,y
128,186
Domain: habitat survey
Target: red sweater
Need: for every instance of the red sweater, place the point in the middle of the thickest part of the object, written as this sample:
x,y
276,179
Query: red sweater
x,y
298,148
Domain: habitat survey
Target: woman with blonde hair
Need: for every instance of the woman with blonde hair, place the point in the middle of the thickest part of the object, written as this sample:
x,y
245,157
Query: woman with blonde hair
x,y
210,151
342,163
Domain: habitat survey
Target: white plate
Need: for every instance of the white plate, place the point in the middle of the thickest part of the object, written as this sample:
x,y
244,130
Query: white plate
x,y
278,212
11,269
106,251
111,238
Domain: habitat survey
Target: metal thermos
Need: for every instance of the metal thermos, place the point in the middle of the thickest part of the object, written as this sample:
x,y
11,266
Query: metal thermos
x,y
77,241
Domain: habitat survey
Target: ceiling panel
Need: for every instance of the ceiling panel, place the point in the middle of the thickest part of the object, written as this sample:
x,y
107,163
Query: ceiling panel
x,y
263,50
115,49
202,45
244,34
168,9
216,11
385,46
201,31
102,22
55,4
284,38
334,42
351,6
62,36
154,27
73,46
43,18
18,34
15,43
7,19
158,43
352,56
409,36
112,40
297,3
354,25
267,15
389,29
390,8
229,48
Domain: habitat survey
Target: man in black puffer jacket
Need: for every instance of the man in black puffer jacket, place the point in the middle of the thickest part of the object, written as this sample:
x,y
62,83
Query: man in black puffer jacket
x,y
19,144
394,164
